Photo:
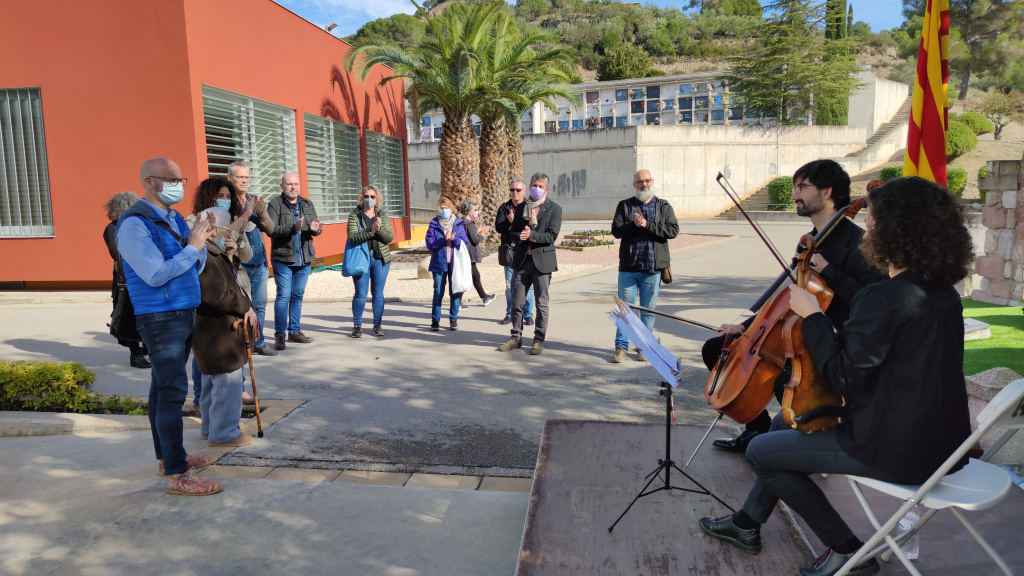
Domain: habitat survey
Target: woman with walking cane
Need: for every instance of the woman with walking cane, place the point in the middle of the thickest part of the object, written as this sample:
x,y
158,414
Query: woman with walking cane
x,y
218,348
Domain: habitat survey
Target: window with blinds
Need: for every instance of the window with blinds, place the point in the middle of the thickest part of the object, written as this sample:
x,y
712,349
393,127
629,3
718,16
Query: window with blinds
x,y
24,180
258,133
386,170
333,168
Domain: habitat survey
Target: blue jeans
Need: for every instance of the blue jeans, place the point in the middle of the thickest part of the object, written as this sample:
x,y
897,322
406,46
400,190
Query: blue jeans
x,y
221,406
258,276
168,335
782,459
291,285
375,278
440,278
197,383
648,286
528,308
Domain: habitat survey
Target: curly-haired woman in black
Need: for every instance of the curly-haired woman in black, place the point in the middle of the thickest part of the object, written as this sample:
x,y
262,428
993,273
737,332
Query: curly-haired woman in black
x,y
898,365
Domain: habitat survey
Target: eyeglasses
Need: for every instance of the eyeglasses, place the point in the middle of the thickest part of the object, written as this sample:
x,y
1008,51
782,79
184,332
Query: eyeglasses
x,y
171,181
802,185
646,181
517,189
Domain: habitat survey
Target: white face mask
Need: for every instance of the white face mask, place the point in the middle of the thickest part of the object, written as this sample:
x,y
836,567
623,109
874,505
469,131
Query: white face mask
x,y
172,194
369,202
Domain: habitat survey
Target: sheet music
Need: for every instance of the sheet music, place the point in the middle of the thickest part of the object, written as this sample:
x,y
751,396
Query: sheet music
x,y
659,357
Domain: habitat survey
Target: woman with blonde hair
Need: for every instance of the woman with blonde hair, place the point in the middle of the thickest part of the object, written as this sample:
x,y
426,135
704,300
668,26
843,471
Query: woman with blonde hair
x,y
369,224
445,235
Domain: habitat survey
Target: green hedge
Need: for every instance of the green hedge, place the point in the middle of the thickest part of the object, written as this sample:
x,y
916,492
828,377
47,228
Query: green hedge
x,y
977,123
959,140
982,172
890,172
956,179
46,386
780,193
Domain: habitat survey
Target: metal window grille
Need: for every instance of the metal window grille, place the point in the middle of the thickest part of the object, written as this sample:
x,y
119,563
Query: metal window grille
x,y
386,169
261,134
24,180
333,168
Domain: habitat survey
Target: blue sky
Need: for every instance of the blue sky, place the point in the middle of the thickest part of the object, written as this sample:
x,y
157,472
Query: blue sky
x,y
349,15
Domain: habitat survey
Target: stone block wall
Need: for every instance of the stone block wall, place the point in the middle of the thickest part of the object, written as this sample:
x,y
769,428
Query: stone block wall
x,y
1002,267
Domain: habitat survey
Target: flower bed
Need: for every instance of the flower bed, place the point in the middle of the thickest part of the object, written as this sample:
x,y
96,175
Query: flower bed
x,y
585,243
584,234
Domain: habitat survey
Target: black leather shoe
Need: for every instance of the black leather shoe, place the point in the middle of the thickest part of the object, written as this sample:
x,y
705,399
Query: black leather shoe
x,y
722,528
139,361
506,320
737,444
831,561
435,325
527,321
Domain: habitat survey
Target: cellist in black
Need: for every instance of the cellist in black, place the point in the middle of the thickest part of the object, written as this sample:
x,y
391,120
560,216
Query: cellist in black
x,y
820,189
898,364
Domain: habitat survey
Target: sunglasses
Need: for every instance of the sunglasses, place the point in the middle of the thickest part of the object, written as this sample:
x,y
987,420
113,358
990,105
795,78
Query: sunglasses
x,y
517,189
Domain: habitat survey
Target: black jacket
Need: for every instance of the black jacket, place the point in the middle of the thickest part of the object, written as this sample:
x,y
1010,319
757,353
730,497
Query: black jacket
x,y
284,222
847,271
542,238
474,240
662,229
899,366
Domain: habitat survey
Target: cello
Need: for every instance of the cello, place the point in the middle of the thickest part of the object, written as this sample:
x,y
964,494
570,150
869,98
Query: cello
x,y
741,384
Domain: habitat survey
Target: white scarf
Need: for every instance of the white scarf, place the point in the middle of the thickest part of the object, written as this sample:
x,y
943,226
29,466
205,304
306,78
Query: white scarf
x,y
530,206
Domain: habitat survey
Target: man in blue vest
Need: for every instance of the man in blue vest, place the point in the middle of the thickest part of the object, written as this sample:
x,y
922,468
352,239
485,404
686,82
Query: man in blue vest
x,y
162,261
253,220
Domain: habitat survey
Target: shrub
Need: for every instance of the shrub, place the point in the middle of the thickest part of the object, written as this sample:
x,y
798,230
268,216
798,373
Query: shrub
x,y
780,193
982,172
952,116
977,123
959,140
890,172
46,385
623,61
956,180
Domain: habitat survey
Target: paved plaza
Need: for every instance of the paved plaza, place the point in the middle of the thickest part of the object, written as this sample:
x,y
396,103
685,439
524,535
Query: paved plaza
x,y
404,455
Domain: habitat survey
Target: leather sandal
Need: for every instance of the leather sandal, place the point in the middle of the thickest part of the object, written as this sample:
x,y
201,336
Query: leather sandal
x,y
192,461
187,484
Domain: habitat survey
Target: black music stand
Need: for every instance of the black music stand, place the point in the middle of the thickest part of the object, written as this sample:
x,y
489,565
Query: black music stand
x,y
667,465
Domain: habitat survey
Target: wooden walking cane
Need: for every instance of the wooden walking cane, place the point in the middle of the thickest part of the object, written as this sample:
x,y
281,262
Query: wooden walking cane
x,y
252,375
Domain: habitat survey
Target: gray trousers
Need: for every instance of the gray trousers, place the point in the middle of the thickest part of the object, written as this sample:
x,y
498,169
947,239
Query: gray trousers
x,y
528,275
784,459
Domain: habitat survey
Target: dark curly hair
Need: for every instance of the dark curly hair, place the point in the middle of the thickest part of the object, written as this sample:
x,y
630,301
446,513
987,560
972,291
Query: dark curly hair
x,y
827,174
918,226
206,196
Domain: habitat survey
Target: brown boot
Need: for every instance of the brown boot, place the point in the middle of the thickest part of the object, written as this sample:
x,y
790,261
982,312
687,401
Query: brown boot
x,y
279,341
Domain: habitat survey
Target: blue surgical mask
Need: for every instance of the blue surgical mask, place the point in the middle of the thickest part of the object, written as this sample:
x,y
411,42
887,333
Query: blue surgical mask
x,y
172,194
220,243
536,193
225,204
445,213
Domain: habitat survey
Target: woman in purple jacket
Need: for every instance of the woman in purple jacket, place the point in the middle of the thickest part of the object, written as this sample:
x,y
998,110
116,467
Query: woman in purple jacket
x,y
445,234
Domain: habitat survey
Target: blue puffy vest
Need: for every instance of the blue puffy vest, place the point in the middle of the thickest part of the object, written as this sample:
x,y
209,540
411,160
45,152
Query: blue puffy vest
x,y
180,293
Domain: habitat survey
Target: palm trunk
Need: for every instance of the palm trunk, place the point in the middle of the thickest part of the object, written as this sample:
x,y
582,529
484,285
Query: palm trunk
x,y
460,159
493,168
515,153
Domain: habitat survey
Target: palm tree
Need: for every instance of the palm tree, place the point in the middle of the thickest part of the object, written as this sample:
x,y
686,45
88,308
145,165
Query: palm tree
x,y
512,78
441,73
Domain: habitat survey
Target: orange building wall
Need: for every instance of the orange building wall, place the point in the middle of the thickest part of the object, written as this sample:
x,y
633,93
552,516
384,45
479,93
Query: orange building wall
x,y
121,81
293,64
114,81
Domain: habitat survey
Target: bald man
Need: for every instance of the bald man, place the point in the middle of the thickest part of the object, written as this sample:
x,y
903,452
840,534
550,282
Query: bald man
x,y
291,255
644,224
162,260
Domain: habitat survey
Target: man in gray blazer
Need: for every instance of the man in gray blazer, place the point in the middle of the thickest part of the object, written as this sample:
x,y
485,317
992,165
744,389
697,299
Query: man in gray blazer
x,y
536,223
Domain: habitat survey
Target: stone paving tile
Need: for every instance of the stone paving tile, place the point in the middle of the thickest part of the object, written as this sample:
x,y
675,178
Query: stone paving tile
x,y
493,484
245,472
302,475
373,478
444,481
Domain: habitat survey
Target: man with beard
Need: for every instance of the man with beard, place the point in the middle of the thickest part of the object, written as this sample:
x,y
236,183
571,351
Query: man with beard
x,y
820,189
644,224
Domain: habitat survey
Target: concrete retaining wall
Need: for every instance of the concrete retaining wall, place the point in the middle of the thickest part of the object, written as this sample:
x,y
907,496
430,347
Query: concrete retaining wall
x,y
876,101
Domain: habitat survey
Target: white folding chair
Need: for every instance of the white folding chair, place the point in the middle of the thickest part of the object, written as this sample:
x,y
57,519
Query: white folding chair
x,y
978,486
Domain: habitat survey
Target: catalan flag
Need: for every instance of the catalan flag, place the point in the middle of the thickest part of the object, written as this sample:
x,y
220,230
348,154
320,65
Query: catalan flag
x,y
926,140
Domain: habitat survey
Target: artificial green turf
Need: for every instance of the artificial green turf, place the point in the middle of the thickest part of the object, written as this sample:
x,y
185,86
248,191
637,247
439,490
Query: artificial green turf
x,y
1005,347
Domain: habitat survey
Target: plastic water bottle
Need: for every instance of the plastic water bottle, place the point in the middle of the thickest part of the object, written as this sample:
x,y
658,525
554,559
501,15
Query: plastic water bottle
x,y
911,547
